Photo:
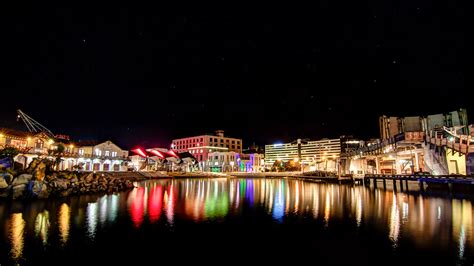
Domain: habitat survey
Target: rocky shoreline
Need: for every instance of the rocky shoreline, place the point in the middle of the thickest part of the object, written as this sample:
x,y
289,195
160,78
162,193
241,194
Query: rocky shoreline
x,y
25,187
38,183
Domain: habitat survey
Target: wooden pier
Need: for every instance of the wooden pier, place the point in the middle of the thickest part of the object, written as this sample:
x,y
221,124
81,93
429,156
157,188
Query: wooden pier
x,y
434,180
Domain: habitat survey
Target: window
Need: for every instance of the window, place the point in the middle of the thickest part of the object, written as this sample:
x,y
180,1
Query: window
x,y
238,142
114,154
222,140
227,140
107,153
233,146
211,139
233,142
238,147
38,145
98,152
216,157
200,140
81,152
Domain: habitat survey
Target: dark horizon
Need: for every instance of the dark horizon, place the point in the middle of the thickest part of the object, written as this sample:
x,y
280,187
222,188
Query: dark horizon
x,y
138,78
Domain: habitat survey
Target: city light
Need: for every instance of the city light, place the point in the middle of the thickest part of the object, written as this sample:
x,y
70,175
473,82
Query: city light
x,y
139,152
172,153
157,153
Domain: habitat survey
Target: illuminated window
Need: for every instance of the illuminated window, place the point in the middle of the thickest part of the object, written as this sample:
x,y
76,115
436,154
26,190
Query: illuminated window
x,y
107,153
114,154
81,152
98,152
39,144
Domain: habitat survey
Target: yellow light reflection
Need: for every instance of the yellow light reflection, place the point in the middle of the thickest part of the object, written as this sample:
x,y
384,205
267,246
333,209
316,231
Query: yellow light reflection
x,y
327,208
315,202
64,222
17,230
42,226
394,222
358,208
462,224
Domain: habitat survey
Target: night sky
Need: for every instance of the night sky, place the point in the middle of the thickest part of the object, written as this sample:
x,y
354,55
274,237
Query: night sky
x,y
140,78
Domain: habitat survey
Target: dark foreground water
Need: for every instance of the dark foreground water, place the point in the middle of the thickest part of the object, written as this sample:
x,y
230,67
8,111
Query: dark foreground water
x,y
243,221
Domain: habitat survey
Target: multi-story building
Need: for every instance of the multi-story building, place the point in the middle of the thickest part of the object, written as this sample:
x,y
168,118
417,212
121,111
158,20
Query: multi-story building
x,y
252,163
200,146
419,126
100,156
222,161
314,155
86,156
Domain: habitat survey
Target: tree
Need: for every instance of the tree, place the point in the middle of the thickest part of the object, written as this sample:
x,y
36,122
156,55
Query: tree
x,y
58,153
292,166
277,166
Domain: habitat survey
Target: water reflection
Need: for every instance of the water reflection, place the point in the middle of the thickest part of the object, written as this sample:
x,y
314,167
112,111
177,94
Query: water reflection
x,y
279,205
42,226
16,235
394,222
429,222
92,220
462,224
64,222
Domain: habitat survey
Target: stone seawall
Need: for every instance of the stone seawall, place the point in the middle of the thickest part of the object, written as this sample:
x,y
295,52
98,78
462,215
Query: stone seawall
x,y
63,184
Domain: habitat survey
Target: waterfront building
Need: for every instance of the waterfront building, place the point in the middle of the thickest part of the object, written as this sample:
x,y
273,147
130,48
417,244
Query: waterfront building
x,y
420,126
101,156
252,162
88,156
222,161
313,155
200,146
33,145
437,143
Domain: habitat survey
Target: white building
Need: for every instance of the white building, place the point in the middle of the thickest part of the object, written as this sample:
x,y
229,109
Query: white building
x,y
103,156
227,161
252,163
314,155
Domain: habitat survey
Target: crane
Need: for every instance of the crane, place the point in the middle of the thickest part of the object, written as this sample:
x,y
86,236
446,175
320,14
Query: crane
x,y
33,125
